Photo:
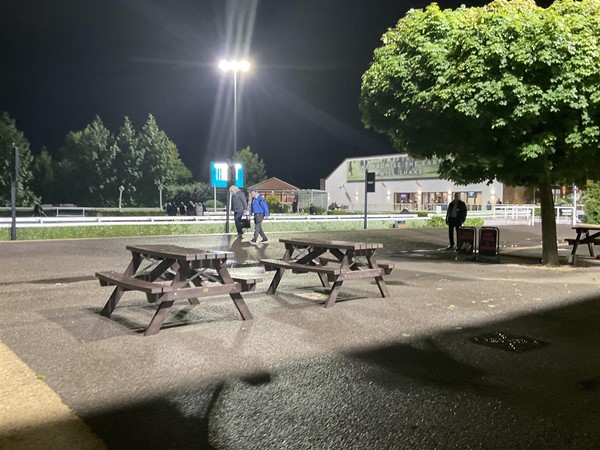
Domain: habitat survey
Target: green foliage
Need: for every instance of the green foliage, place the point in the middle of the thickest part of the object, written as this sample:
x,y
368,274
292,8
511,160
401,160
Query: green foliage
x,y
274,205
128,162
9,135
161,164
592,203
197,192
436,221
254,166
210,204
508,91
44,180
512,87
87,166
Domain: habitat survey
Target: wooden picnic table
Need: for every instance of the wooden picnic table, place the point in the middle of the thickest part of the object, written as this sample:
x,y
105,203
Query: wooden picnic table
x,y
166,273
587,233
334,261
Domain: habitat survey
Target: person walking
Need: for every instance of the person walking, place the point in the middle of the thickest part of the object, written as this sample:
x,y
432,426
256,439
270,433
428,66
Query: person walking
x,y
239,205
260,210
455,217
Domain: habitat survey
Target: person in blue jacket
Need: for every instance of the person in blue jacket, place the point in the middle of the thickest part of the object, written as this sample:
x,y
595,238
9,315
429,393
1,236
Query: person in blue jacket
x,y
259,210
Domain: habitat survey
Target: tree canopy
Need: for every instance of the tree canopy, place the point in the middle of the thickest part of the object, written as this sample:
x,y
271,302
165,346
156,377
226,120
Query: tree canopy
x,y
10,136
508,91
254,166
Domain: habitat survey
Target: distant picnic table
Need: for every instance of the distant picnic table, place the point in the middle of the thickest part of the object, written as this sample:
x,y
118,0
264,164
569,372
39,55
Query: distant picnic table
x,y
588,234
166,273
333,261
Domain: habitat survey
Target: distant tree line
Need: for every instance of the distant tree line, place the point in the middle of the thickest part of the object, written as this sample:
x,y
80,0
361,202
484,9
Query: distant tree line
x,y
93,163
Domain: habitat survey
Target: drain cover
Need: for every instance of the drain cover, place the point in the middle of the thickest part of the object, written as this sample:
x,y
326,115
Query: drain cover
x,y
508,342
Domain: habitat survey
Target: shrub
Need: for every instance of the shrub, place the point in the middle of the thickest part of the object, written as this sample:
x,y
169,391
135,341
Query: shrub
x,y
591,203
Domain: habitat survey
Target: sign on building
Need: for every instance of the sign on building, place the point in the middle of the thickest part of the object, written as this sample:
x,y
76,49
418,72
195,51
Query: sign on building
x,y
401,167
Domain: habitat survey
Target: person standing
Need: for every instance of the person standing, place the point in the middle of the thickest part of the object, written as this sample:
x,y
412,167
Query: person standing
x,y
455,217
260,210
239,205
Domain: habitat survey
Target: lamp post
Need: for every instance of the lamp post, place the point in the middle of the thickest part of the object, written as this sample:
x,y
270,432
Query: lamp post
x,y
121,189
160,189
233,66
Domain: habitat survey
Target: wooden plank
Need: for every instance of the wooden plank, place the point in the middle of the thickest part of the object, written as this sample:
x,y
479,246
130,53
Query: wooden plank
x,y
177,252
273,264
583,241
248,284
201,291
345,245
130,283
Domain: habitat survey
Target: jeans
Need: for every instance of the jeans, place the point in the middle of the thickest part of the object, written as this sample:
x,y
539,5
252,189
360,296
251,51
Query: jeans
x,y
452,225
258,230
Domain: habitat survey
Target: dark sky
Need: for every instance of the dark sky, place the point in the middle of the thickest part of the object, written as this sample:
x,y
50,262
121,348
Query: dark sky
x,y
63,62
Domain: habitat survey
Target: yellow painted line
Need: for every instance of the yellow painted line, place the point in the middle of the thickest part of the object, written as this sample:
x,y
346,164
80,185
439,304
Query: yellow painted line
x,y
32,416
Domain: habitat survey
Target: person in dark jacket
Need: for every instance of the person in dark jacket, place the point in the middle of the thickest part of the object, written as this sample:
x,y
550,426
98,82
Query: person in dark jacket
x,y
182,209
260,210
455,217
239,205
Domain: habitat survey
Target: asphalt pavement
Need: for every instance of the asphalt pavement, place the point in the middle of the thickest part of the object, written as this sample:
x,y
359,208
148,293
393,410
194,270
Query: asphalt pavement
x,y
463,355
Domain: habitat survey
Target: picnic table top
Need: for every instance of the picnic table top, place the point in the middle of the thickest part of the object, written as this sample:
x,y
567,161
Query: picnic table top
x,y
347,245
169,251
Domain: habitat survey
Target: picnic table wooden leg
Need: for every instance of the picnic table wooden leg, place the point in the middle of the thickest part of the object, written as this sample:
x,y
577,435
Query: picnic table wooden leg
x,y
159,317
590,244
324,280
111,304
241,306
333,293
237,298
276,280
372,262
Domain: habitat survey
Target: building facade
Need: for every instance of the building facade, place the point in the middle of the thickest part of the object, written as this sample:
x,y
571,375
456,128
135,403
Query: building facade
x,y
402,182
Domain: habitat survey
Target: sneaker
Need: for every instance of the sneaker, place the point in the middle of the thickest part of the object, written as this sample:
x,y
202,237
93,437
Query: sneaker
x,y
240,236
450,247
264,241
253,242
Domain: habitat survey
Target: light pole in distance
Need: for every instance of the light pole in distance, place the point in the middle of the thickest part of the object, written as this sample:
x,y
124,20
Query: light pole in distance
x,y
233,66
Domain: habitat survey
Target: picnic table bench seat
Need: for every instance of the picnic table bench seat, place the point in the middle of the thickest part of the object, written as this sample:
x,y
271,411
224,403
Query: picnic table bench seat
x,y
274,264
112,278
387,267
572,241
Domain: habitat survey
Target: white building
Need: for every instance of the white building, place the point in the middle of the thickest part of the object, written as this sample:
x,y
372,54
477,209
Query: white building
x,y
402,182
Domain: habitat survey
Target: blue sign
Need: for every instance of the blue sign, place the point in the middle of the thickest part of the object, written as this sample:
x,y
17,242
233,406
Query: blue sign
x,y
219,174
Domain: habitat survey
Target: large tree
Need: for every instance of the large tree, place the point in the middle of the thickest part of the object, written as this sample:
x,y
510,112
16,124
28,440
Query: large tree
x,y
87,166
128,162
10,137
509,91
254,166
161,164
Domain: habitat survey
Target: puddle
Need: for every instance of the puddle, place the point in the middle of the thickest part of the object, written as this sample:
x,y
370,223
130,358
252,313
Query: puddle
x,y
508,342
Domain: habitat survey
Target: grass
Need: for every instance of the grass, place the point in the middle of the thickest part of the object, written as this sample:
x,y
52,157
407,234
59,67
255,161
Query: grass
x,y
105,231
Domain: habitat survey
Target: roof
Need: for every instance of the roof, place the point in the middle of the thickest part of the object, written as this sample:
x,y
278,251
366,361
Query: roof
x,y
273,184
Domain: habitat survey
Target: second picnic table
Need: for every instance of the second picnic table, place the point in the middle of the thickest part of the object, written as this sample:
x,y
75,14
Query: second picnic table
x,y
171,272
588,234
334,261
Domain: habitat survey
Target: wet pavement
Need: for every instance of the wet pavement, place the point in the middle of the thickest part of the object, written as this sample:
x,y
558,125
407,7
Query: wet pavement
x,y
463,355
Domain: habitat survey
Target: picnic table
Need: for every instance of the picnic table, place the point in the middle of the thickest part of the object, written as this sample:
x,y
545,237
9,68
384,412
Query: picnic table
x,y
333,261
588,234
166,273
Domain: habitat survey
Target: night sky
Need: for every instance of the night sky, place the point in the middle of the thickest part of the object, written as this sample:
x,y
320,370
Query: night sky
x,y
63,62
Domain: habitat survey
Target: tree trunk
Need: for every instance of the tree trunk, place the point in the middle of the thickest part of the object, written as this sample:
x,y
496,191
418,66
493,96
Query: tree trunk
x,y
549,245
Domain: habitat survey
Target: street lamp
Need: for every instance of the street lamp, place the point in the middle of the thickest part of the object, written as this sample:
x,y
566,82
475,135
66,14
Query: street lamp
x,y
233,66
121,189
160,189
